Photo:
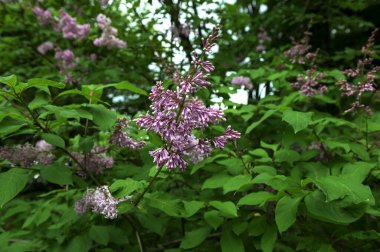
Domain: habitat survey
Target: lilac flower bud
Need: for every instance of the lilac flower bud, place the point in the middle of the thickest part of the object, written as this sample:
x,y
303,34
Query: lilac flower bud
x,y
101,201
45,47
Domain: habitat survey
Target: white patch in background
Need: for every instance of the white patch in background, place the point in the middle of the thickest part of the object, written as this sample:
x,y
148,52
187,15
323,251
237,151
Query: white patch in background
x,y
241,96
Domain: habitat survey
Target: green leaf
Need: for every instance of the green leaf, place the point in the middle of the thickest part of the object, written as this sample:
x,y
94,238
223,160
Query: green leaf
x,y
335,187
255,198
335,211
125,187
10,80
125,85
213,218
298,120
266,115
194,238
11,125
100,234
230,242
57,174
269,238
102,117
41,99
79,243
192,207
357,172
38,82
11,183
216,181
286,212
237,182
287,155
54,140
227,208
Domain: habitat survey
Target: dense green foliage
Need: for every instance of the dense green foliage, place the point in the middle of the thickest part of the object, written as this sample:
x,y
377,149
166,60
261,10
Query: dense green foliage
x,y
303,176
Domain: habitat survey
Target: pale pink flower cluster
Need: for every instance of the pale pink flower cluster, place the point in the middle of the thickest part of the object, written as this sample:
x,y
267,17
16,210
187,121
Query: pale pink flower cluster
x,y
242,81
365,72
27,155
101,201
119,136
176,115
43,16
70,28
263,38
109,33
45,47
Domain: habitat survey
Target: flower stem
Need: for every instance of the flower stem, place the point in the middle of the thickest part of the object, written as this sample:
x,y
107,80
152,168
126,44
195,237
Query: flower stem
x,y
149,186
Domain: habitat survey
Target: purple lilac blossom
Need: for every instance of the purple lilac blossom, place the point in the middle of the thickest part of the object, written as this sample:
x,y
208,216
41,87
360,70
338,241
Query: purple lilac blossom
x,y
69,27
45,47
108,37
365,70
94,162
101,201
43,16
44,146
308,84
242,81
119,136
26,155
175,115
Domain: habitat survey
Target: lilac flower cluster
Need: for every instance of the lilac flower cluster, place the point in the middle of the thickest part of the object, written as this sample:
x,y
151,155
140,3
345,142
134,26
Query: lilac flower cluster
x,y
299,51
119,136
263,37
69,27
99,200
108,37
43,16
65,59
27,155
94,162
177,114
308,84
365,71
45,47
242,81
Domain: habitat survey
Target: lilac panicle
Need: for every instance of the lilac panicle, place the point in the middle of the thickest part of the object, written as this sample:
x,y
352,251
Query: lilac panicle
x,y
309,83
242,81
119,136
263,37
70,28
101,201
45,47
27,155
365,70
175,115
109,33
43,16
94,162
